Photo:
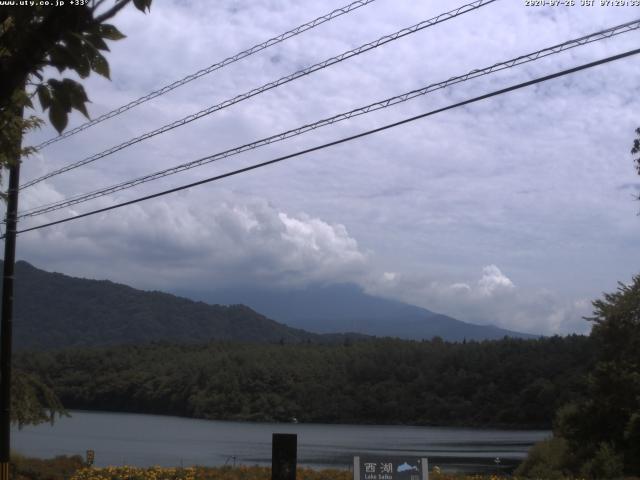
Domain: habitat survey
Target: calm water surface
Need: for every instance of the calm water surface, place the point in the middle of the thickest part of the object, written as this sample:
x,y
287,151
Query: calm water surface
x,y
145,440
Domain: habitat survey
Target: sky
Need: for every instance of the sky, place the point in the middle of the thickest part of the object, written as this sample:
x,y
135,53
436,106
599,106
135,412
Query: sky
x,y
518,211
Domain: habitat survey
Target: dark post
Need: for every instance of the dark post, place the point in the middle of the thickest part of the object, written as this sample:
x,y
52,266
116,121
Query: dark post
x,y
7,318
284,456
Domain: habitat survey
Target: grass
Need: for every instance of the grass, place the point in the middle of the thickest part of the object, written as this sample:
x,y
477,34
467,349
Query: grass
x,y
58,468
202,473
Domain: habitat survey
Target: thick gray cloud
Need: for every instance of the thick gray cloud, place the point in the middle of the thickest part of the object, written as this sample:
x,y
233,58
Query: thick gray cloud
x,y
219,241
518,210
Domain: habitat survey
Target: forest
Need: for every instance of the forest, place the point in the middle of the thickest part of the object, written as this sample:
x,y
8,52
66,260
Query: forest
x,y
507,383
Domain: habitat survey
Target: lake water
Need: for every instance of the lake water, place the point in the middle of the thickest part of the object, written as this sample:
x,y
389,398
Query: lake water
x,y
145,440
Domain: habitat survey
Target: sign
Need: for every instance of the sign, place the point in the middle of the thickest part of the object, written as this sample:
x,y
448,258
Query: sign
x,y
390,468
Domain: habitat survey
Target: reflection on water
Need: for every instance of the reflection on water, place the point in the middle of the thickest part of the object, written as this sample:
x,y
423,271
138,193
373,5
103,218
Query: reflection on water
x,y
169,441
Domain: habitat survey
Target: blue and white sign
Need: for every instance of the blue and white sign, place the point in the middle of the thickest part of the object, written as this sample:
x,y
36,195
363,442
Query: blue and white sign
x,y
390,468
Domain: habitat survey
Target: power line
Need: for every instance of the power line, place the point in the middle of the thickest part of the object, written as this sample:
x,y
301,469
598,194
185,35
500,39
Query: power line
x,y
342,140
604,34
211,68
268,86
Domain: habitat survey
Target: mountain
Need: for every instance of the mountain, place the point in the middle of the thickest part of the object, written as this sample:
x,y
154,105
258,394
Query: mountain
x,y
347,308
53,310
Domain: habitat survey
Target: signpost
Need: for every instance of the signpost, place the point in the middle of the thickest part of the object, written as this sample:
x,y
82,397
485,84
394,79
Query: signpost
x,y
390,468
284,456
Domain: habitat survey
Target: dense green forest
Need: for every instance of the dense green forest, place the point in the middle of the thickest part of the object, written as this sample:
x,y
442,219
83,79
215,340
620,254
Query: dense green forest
x,y
510,382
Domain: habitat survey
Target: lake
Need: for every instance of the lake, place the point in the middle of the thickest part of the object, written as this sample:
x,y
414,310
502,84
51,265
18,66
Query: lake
x,y
144,440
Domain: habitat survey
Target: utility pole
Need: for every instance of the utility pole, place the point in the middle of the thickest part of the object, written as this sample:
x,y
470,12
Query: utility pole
x,y
7,312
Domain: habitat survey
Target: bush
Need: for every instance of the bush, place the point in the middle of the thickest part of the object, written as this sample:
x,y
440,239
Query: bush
x,y
546,459
58,468
606,463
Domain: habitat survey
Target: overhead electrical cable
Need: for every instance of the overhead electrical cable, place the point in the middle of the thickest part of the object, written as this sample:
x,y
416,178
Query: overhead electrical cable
x,y
268,86
211,68
530,57
340,141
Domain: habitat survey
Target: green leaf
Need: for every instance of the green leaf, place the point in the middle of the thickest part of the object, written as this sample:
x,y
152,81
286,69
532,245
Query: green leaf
x,y
100,65
60,58
83,68
67,95
75,90
44,95
76,95
142,5
110,32
80,52
60,95
58,117
97,42
81,107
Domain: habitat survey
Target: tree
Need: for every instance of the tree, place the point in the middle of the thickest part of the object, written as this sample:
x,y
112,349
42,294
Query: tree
x,y
33,39
603,430
600,434
36,401
636,150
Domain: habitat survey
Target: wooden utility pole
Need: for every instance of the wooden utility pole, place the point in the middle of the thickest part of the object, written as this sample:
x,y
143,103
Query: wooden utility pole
x,y
6,323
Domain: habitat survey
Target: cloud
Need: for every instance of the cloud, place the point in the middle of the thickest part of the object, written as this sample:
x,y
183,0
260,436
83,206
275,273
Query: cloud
x,y
493,299
389,276
630,186
199,241
493,281
226,240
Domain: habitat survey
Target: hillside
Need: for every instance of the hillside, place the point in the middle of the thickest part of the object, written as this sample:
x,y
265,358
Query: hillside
x,y
54,311
347,308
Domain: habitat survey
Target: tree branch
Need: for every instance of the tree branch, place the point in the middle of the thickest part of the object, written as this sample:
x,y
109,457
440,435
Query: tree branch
x,y
96,5
111,12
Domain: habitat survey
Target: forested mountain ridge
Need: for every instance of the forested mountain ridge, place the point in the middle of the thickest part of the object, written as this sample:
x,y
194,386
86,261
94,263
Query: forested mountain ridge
x,y
53,310
506,383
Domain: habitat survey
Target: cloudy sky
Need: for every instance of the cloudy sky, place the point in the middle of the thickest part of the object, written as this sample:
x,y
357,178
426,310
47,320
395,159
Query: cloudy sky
x,y
516,211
